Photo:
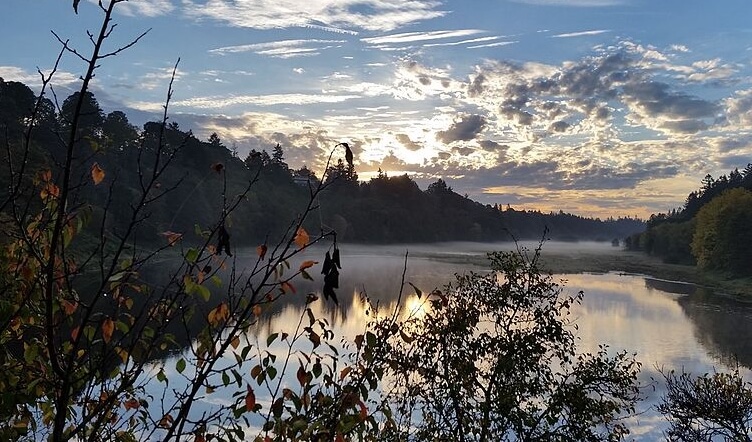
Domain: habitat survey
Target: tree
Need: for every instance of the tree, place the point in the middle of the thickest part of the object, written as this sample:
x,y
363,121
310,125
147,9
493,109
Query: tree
x,y
215,141
708,407
119,132
82,111
494,357
723,234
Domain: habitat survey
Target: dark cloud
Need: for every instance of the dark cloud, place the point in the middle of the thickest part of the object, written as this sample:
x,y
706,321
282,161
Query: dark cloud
x,y
559,126
656,99
424,80
465,129
476,88
405,140
684,126
493,146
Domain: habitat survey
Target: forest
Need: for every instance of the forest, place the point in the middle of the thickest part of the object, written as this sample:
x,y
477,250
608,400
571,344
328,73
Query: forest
x,y
712,230
385,209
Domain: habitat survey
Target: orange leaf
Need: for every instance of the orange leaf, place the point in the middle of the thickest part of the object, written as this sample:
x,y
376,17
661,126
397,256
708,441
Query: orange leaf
x,y
108,326
301,238
172,237
307,264
261,251
287,287
166,421
257,310
219,314
250,400
97,173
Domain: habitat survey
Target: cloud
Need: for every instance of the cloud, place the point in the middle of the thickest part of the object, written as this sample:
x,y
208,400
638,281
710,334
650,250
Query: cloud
x,y
147,8
412,37
581,33
467,128
405,140
335,16
282,48
34,79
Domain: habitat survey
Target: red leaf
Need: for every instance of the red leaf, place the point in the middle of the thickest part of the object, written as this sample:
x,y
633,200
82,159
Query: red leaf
x,y
108,326
261,250
250,400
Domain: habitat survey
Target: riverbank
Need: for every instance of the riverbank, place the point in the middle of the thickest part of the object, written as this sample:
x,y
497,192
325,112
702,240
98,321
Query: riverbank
x,y
615,259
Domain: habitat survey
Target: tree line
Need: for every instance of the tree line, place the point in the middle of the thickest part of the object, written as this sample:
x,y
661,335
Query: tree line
x,y
385,209
711,230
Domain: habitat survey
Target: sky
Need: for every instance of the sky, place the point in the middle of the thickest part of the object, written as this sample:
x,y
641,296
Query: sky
x,y
594,107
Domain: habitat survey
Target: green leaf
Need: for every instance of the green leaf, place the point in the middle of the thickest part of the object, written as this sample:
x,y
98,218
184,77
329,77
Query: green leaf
x,y
271,372
180,366
203,292
191,255
272,337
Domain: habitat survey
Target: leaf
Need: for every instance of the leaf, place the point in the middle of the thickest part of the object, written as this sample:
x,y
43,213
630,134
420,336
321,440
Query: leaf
x,y
287,287
132,404
235,342
301,238
250,399
180,365
345,371
261,251
218,167
218,314
257,310
348,154
302,375
172,237
75,6
108,326
418,292
97,174
307,264
363,415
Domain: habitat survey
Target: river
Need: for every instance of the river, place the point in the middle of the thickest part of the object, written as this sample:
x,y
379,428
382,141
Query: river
x,y
669,325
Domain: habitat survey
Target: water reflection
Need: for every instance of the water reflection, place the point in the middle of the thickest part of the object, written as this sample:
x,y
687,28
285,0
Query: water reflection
x,y
668,325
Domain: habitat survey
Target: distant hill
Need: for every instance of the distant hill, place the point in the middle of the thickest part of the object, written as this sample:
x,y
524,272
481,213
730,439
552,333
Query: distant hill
x,y
205,175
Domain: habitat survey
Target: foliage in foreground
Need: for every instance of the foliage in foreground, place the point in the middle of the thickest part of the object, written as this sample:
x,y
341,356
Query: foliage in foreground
x,y
495,357
715,406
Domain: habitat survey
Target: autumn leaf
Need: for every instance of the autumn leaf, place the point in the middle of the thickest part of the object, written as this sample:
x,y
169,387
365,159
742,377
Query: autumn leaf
x,y
219,314
257,310
218,167
172,237
166,421
108,326
287,287
307,264
363,411
301,238
261,251
97,173
69,307
235,342
348,154
302,376
132,404
250,400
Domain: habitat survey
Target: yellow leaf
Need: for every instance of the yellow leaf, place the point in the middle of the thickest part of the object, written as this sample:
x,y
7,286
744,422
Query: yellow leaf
x,y
108,326
97,173
301,238
219,314
307,264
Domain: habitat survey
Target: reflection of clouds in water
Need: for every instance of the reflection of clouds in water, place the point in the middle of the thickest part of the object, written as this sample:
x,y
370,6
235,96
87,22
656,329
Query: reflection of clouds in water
x,y
665,330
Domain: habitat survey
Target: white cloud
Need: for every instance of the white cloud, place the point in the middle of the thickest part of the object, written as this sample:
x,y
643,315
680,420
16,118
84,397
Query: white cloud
x,y
581,33
281,48
33,79
411,37
219,102
148,8
330,15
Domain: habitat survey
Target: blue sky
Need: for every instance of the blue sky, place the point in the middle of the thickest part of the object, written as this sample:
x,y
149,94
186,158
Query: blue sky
x,y
597,107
